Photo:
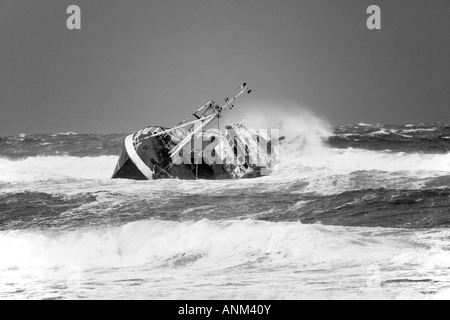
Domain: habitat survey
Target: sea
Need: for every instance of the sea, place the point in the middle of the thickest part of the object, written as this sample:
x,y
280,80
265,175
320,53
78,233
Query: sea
x,y
355,212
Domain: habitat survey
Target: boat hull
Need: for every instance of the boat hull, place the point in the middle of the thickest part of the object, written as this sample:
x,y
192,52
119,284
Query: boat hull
x,y
145,156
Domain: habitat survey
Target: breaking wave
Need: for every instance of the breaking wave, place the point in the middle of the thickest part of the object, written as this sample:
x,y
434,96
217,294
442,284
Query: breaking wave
x,y
423,138
156,259
219,244
295,164
54,168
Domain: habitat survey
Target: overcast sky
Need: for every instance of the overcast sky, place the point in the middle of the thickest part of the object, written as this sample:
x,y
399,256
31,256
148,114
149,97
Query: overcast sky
x,y
142,62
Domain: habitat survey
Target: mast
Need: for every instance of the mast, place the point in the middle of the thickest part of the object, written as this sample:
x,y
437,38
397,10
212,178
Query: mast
x,y
213,108
214,113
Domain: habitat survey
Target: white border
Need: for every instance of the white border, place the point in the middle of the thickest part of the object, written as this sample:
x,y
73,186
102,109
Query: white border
x,y
129,146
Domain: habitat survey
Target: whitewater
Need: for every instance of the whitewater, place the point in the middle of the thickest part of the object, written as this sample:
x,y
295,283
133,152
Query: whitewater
x,y
360,211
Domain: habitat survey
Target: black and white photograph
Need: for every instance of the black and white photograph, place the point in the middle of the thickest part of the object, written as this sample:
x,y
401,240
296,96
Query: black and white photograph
x,y
235,152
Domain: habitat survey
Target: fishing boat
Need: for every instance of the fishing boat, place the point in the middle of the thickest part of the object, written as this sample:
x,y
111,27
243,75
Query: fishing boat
x,y
196,148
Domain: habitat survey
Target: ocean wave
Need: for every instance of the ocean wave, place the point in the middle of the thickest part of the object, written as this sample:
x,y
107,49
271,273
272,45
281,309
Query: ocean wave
x,y
70,133
379,208
381,132
420,130
431,138
45,145
48,168
351,160
117,204
310,164
362,124
160,259
218,245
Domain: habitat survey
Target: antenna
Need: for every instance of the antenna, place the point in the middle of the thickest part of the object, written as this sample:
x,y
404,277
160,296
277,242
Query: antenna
x,y
229,103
